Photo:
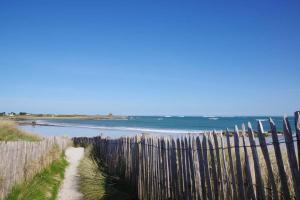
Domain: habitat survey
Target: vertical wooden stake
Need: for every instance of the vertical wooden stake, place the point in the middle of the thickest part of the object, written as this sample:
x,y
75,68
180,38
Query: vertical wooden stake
x,y
291,156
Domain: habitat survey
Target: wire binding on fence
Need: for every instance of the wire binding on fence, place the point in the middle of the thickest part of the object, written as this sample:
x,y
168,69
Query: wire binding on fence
x,y
195,149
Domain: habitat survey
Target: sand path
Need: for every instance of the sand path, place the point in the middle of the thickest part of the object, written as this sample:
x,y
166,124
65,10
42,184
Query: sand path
x,y
69,188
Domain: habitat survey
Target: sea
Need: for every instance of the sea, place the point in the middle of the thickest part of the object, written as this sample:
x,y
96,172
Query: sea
x,y
162,125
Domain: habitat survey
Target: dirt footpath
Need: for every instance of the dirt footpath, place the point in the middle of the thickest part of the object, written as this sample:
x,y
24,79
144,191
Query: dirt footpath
x,y
70,187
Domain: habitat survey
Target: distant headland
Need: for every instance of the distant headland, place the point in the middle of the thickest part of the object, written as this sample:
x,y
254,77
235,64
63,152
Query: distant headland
x,y
29,116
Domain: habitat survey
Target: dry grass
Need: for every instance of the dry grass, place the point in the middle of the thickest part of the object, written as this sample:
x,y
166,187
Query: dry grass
x,y
10,132
95,184
92,182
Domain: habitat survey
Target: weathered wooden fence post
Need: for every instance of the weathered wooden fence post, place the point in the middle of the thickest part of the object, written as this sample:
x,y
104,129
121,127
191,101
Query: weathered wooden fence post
x,y
249,191
207,173
241,193
201,167
235,197
264,148
280,165
220,177
291,156
213,166
297,127
260,191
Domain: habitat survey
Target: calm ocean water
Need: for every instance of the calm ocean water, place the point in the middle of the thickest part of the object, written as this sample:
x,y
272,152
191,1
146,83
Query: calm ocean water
x,y
147,124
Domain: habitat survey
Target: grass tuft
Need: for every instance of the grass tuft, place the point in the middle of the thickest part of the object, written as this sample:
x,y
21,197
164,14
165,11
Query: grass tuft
x,y
43,186
95,184
92,182
10,132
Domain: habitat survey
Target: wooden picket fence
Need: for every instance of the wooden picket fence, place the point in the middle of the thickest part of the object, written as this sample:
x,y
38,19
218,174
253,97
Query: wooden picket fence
x,y
21,160
244,164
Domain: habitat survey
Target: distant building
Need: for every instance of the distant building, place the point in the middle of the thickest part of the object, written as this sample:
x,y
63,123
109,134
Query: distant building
x,y
11,114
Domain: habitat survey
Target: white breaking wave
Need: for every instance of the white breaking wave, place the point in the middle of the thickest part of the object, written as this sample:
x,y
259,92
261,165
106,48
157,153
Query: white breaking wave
x,y
213,118
262,120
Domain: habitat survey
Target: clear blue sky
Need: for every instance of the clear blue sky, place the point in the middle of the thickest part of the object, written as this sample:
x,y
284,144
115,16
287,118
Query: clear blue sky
x,y
150,57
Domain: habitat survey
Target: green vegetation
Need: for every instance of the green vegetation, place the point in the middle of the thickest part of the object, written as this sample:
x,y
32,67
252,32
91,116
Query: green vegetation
x,y
23,113
95,184
10,132
43,186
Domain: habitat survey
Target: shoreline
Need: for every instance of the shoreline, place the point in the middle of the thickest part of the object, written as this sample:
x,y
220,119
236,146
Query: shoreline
x,y
114,126
137,130
132,130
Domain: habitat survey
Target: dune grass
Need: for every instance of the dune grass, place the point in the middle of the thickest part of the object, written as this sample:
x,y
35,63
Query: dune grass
x,y
10,132
95,184
43,186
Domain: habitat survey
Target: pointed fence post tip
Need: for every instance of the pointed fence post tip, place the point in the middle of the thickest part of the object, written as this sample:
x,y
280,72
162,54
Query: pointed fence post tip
x,y
236,129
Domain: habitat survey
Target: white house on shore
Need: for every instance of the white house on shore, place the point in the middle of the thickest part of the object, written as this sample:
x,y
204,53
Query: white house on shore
x,y
11,114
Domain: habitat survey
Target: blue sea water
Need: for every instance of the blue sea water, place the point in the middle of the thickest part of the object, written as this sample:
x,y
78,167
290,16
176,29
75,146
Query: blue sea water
x,y
149,124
